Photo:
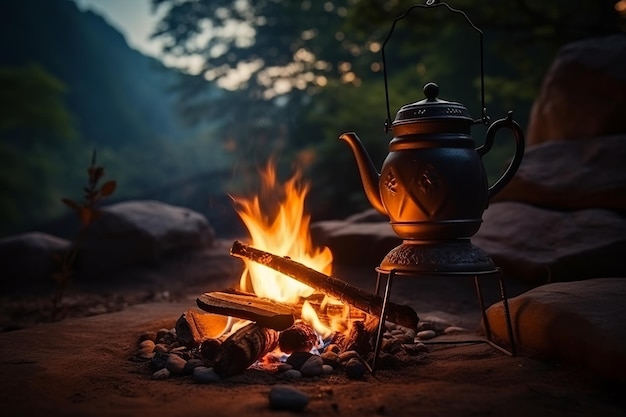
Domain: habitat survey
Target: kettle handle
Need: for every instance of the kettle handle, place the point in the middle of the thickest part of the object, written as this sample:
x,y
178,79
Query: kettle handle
x,y
511,124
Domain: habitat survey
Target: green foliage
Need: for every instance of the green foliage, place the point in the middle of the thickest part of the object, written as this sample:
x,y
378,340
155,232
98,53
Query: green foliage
x,y
327,54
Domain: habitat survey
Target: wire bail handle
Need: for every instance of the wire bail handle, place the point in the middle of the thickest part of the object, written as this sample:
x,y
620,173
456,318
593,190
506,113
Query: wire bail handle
x,y
432,4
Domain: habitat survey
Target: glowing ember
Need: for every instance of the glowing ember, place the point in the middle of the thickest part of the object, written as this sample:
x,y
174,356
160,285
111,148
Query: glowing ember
x,y
278,224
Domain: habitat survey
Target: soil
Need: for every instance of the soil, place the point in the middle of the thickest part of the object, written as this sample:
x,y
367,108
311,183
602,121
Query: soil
x,y
82,364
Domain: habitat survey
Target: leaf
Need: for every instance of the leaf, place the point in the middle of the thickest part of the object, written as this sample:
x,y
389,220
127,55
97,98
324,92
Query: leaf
x,y
71,203
108,188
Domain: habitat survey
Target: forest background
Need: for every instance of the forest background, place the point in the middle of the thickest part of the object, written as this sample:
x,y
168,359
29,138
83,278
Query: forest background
x,y
280,81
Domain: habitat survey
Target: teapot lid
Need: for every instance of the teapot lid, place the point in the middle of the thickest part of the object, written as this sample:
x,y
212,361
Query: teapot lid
x,y
418,117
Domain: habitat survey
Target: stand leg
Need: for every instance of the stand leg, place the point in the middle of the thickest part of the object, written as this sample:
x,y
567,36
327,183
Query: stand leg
x,y
507,317
383,314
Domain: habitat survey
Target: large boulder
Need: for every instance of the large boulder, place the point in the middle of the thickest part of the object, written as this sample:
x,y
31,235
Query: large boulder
x,y
137,233
362,239
583,93
572,175
539,245
531,244
579,323
30,259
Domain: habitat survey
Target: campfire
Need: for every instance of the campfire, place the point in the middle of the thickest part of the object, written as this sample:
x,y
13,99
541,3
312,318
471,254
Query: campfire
x,y
288,307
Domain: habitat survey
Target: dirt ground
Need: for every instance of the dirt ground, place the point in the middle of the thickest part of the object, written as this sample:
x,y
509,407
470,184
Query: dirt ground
x,y
81,365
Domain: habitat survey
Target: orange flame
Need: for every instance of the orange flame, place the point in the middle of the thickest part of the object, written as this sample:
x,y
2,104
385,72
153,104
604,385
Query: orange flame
x,y
278,224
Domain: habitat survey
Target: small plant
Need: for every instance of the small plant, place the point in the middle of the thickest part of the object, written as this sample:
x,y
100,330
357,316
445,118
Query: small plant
x,y
87,212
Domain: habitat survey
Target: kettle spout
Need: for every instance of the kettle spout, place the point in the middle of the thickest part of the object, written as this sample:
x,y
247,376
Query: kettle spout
x,y
369,174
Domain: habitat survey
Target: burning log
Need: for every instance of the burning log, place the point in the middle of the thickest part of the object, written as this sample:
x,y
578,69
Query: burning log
x,y
343,291
298,338
361,337
265,312
243,348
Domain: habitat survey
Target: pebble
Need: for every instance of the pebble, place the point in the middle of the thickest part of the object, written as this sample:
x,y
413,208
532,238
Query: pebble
x,y
426,334
175,364
330,358
145,353
355,369
292,374
454,329
147,344
312,366
285,397
191,365
161,348
297,359
159,361
403,338
327,369
205,375
347,355
415,348
283,367
161,374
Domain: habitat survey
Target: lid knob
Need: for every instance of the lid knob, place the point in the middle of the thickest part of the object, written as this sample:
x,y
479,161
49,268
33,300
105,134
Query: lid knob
x,y
431,90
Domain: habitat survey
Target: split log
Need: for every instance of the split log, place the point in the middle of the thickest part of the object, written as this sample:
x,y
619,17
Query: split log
x,y
266,313
243,348
194,327
300,337
343,291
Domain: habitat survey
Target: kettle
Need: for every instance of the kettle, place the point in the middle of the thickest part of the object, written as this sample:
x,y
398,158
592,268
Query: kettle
x,y
433,185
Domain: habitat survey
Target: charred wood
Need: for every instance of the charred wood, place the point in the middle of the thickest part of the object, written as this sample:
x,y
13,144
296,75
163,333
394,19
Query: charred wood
x,y
300,337
266,313
341,290
243,348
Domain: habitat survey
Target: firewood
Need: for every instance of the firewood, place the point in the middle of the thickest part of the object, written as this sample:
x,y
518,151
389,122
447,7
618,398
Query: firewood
x,y
244,347
194,326
361,337
266,313
300,337
210,350
341,290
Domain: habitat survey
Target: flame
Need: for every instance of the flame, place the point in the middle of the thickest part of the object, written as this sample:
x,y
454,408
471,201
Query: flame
x,y
278,224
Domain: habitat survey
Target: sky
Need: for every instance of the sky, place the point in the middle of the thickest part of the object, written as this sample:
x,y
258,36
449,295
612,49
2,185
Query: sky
x,y
135,20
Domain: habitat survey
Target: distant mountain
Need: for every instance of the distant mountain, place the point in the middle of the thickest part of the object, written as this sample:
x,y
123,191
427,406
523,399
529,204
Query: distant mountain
x,y
116,94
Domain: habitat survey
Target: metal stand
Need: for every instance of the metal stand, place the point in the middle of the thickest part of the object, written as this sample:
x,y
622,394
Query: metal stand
x,y
391,274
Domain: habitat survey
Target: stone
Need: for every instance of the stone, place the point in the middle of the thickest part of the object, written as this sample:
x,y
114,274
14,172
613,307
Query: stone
x,y
28,259
292,374
139,233
161,374
426,334
580,323
297,359
205,375
571,175
355,243
285,397
583,93
538,245
312,367
176,364
355,369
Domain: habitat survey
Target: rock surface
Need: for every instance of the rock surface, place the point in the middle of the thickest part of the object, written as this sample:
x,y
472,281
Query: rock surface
x,y
571,175
579,323
29,259
584,92
539,245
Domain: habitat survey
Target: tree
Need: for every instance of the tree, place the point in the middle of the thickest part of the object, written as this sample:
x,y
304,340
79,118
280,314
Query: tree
x,y
314,68
33,123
